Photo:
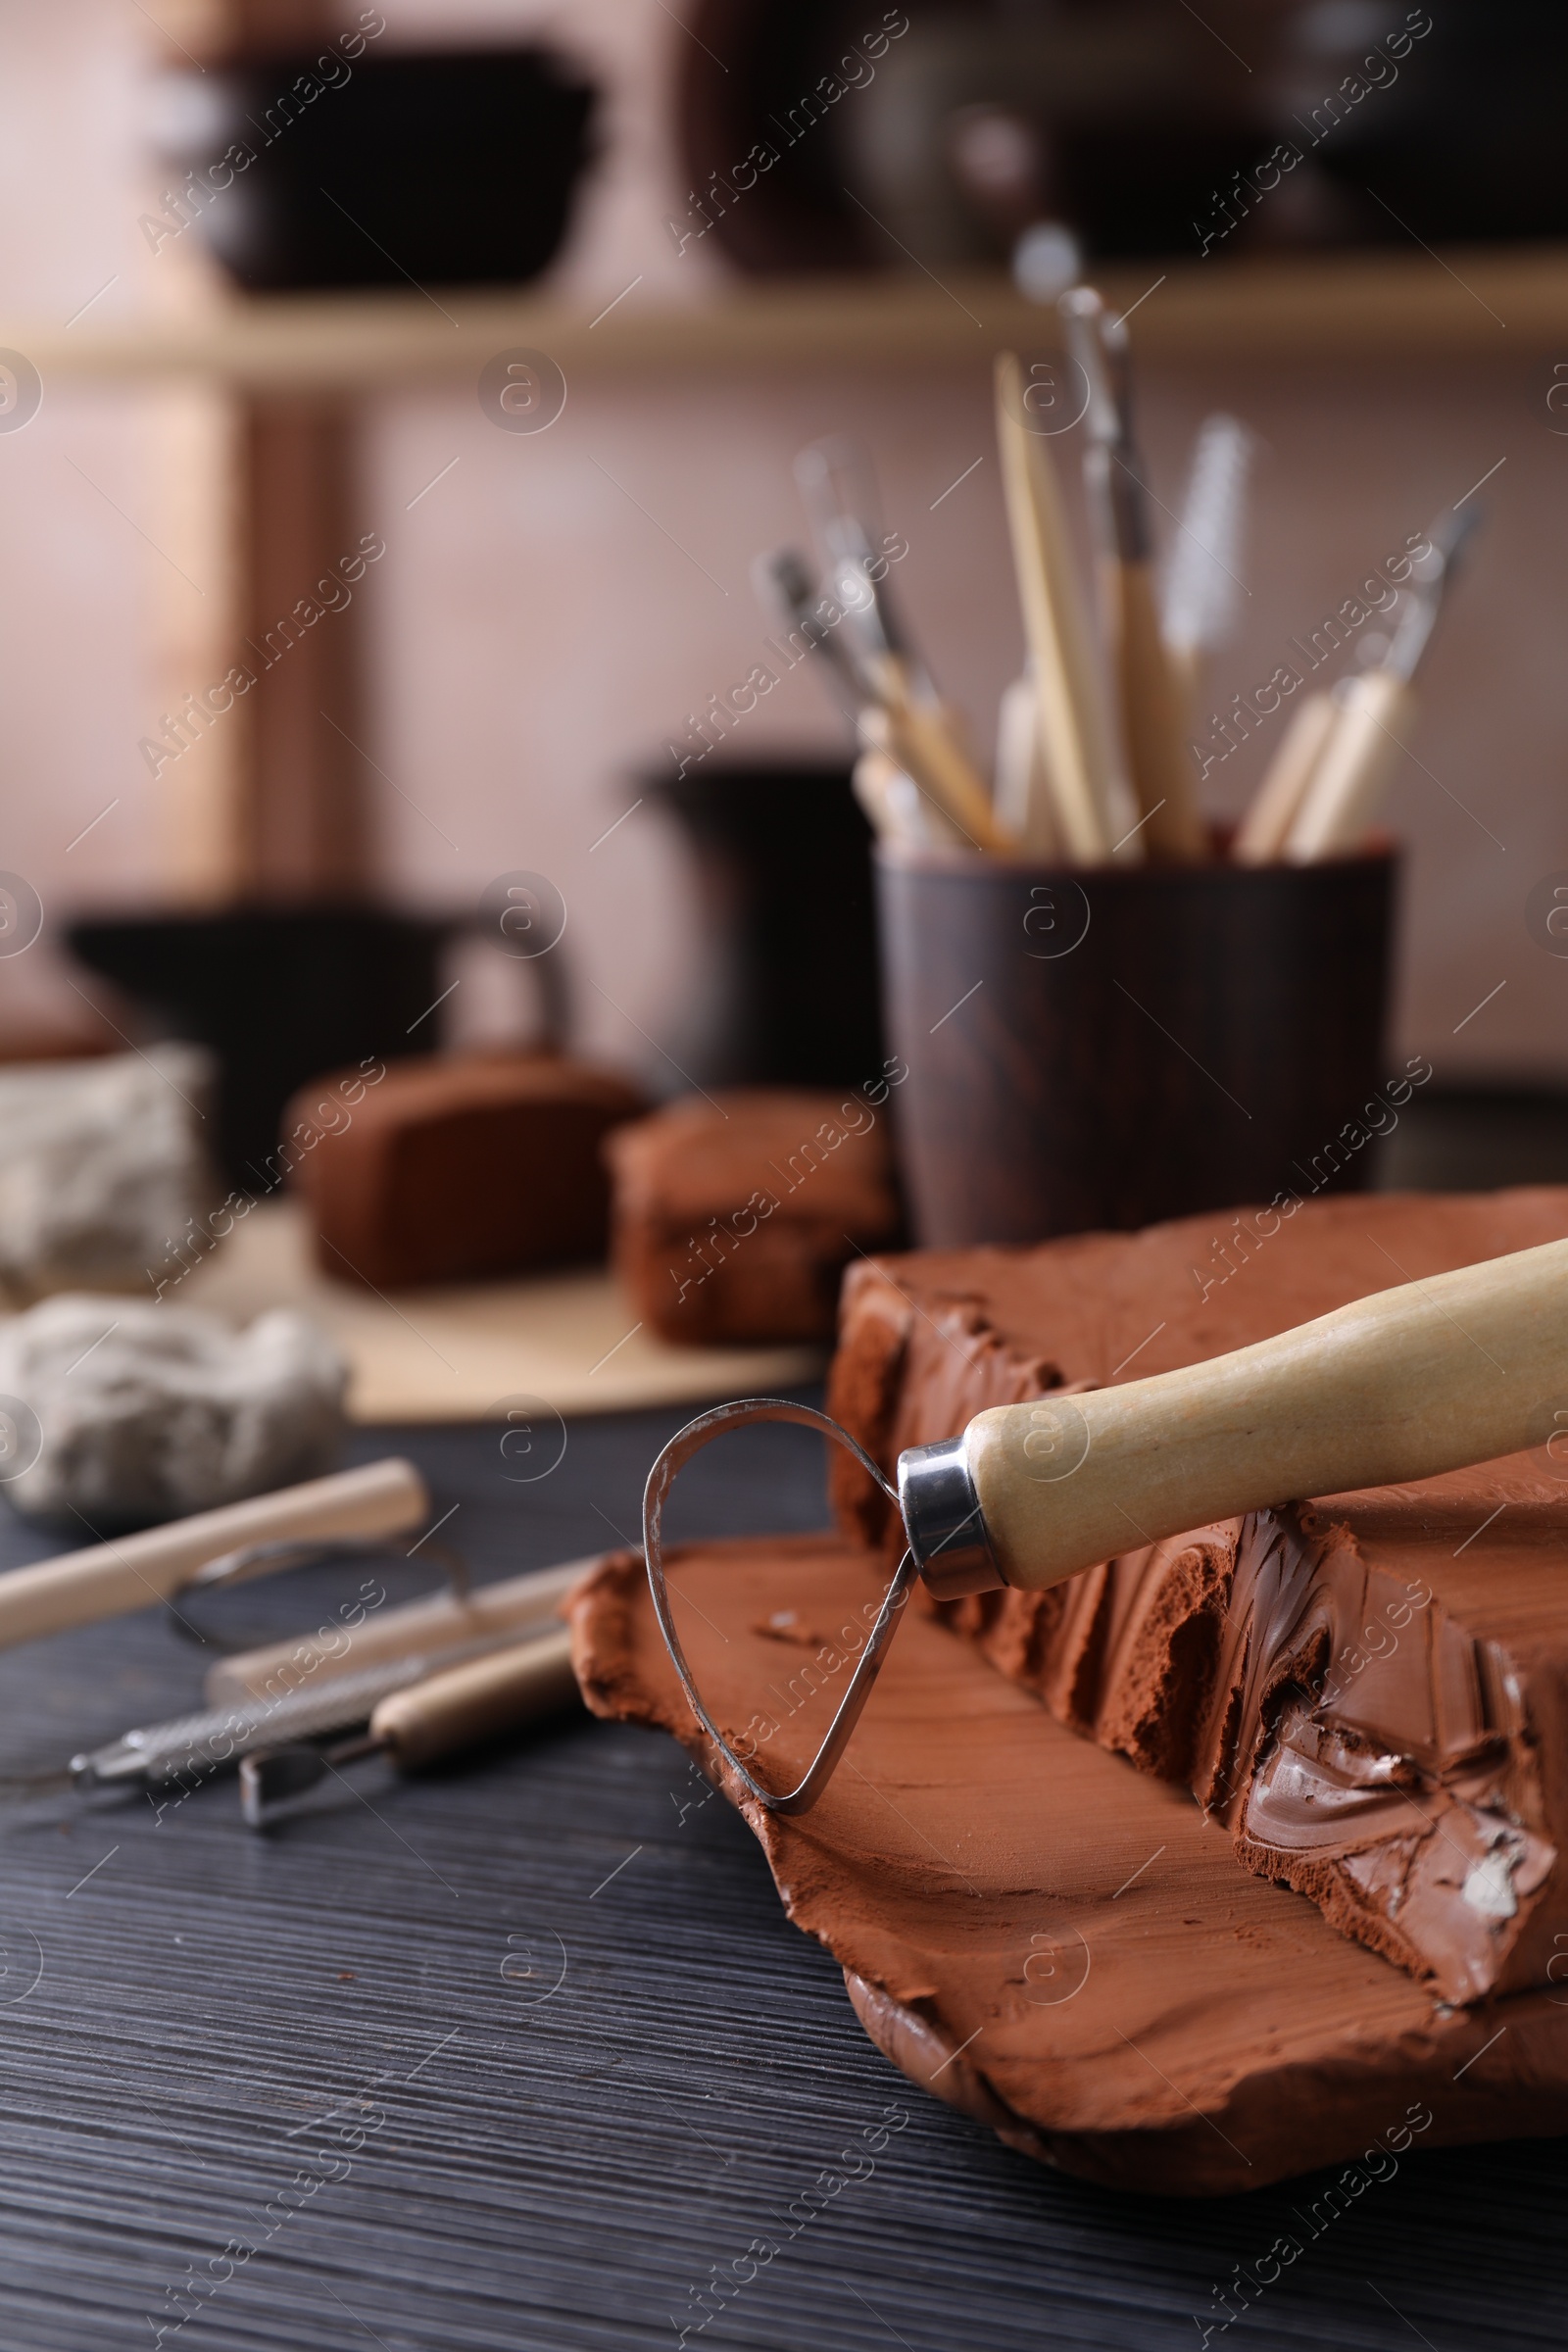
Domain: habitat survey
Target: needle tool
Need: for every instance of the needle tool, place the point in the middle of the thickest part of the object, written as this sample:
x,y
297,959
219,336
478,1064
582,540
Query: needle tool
x,y
1149,690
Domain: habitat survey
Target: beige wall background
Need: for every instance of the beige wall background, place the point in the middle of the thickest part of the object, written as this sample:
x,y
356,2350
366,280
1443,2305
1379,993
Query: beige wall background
x,y
550,611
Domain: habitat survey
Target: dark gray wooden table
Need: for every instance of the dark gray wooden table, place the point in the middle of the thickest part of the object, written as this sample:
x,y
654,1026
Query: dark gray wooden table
x,y
513,2055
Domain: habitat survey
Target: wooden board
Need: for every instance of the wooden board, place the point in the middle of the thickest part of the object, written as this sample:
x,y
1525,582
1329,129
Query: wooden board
x,y
463,1352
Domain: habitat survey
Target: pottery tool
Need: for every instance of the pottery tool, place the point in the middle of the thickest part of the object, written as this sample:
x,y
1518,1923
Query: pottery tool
x,y
1357,760
923,740
108,1580
439,1627
785,589
1074,738
1203,575
1148,689
880,787
1020,791
873,671
1432,1376
1354,768
920,785
524,1684
838,487
1261,834
899,811
190,1749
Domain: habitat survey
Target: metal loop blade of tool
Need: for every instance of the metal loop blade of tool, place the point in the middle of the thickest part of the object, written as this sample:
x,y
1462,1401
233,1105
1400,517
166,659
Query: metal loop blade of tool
x,y
675,1455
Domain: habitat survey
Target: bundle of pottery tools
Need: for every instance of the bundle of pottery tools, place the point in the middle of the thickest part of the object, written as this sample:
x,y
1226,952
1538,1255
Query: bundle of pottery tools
x,y
1093,758
416,1683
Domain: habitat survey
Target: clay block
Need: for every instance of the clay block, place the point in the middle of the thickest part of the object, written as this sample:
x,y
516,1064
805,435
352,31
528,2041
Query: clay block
x,y
1369,1692
453,1168
1055,1943
735,1216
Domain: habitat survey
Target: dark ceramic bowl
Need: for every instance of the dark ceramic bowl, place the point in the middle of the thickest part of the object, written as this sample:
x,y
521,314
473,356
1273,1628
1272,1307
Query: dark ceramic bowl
x,y
313,171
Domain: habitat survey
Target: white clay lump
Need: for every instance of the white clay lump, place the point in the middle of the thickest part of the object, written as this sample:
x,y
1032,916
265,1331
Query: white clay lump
x,y
144,1411
100,1163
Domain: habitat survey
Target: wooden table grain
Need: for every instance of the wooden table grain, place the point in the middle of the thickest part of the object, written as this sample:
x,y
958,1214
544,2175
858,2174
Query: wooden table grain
x,y
523,2056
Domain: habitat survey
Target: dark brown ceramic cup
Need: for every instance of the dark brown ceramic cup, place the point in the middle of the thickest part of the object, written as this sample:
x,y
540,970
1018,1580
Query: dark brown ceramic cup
x,y
1110,1047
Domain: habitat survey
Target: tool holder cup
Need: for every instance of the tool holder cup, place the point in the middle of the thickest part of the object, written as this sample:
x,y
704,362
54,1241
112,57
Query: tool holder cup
x,y
1111,1046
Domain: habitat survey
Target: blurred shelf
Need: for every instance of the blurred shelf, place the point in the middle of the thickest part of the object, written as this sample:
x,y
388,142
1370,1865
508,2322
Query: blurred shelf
x,y
1489,301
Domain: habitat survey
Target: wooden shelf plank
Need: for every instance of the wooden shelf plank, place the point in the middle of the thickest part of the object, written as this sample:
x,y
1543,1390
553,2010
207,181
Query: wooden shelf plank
x,y
1472,301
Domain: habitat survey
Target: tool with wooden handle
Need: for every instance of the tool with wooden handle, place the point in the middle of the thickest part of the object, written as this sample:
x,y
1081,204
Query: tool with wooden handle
x,y
1428,1377
895,806
923,741
838,483
1153,705
1354,768
838,486
1022,789
1074,735
1261,835
1375,712
527,1683
785,587
432,1630
189,1748
308,1691
1154,712
875,677
108,1580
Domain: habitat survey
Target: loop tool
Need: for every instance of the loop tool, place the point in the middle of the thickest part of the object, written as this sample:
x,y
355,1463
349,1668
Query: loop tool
x,y
1431,1376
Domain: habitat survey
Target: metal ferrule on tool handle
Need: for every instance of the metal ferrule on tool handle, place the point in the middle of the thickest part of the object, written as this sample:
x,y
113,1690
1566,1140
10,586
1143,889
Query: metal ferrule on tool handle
x,y
942,1520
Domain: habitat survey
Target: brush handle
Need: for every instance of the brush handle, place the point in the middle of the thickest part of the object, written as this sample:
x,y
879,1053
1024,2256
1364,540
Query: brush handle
x,y
1151,707
1434,1375
1261,834
477,1701
1353,767
108,1580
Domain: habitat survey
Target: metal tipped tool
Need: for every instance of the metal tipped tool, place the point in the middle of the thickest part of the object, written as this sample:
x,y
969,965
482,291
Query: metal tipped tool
x,y
785,588
837,482
526,1683
1374,710
1149,691
1431,576
189,1749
